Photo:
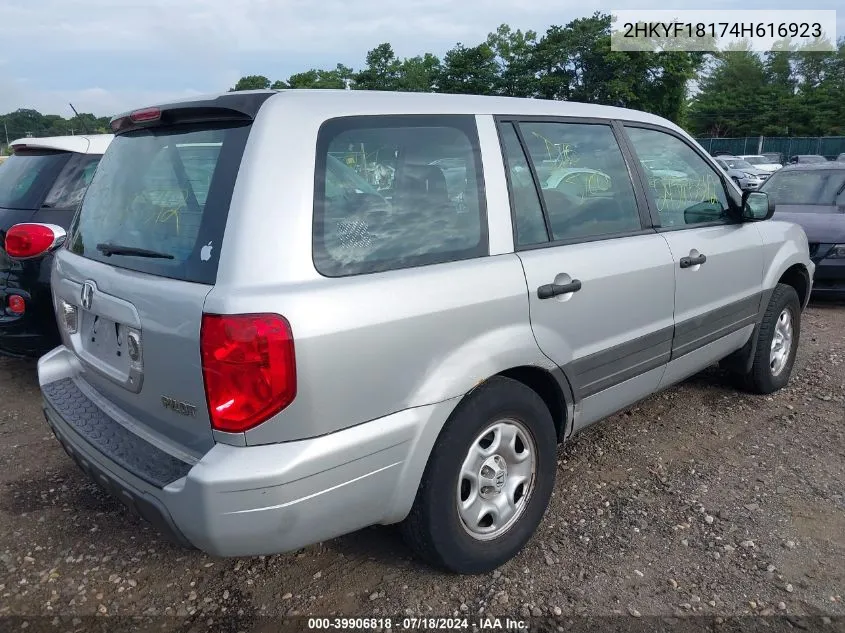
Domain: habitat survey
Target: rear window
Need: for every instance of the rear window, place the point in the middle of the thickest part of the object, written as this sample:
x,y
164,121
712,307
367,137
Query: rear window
x,y
802,187
26,177
159,201
397,191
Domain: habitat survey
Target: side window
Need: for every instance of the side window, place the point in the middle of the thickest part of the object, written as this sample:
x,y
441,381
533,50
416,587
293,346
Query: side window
x,y
73,181
684,187
397,191
585,183
527,211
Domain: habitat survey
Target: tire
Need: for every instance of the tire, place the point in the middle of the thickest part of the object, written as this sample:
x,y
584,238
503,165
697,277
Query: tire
x,y
768,375
434,529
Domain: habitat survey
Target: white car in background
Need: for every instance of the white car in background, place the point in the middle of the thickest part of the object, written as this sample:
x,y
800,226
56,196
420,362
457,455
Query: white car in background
x,y
578,180
761,162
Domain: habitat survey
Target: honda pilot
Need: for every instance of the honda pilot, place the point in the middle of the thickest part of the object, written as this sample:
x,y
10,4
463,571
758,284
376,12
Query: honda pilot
x,y
289,315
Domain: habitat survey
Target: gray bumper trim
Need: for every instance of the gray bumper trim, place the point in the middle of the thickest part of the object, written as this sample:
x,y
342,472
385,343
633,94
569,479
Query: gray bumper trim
x,y
139,503
136,455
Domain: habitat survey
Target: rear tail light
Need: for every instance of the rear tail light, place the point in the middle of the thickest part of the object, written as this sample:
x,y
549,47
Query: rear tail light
x,y
15,304
249,368
24,241
147,114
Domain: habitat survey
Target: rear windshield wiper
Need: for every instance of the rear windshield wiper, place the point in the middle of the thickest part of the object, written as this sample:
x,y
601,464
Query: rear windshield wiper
x,y
116,249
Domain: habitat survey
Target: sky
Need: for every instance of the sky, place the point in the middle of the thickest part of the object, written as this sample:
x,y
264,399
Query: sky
x,y
109,56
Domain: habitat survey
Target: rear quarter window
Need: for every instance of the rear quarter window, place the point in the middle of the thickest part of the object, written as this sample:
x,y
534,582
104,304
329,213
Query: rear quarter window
x,y
70,186
395,192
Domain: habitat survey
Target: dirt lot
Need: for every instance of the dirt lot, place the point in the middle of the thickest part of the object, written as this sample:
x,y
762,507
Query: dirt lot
x,y
699,501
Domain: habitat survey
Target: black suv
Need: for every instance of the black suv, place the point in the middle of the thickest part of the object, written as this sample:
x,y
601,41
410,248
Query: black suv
x,y
43,181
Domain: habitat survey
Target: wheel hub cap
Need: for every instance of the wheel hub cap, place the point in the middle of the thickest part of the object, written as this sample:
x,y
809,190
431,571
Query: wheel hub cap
x,y
492,476
781,342
496,479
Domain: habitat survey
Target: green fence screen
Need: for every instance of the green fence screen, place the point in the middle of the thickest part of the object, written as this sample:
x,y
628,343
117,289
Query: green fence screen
x,y
828,146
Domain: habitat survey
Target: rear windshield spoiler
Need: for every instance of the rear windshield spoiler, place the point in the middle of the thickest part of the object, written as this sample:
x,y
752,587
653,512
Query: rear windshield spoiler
x,y
225,108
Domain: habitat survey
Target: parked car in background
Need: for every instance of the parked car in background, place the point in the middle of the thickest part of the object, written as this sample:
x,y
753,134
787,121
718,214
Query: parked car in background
x,y
664,170
42,182
773,157
813,196
578,181
761,162
237,380
743,173
841,158
807,159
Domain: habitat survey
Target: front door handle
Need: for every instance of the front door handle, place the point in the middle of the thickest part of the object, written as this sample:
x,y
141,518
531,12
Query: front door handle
x,y
689,262
547,291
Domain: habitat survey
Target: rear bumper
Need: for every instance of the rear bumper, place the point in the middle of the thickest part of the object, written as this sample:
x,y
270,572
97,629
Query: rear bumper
x,y
137,500
30,334
252,500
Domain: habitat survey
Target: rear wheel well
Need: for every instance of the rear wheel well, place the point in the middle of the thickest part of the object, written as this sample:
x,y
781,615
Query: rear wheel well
x,y
797,277
544,384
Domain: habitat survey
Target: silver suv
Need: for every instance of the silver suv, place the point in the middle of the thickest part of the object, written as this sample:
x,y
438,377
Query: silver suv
x,y
290,315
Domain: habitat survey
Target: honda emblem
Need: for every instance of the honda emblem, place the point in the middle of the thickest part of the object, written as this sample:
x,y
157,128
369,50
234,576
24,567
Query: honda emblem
x,y
87,294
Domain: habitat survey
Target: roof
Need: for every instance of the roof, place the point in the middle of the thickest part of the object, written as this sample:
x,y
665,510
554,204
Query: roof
x,y
82,143
333,103
831,164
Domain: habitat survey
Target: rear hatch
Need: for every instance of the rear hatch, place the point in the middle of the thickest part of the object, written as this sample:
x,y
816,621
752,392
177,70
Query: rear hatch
x,y
141,257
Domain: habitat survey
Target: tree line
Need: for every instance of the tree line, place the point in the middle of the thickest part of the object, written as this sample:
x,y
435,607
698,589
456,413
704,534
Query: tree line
x,y
26,122
786,92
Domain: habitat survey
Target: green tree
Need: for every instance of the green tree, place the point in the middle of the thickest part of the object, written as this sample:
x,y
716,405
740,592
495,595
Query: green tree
x,y
419,74
576,62
820,104
733,98
514,55
781,85
469,70
322,79
382,72
251,82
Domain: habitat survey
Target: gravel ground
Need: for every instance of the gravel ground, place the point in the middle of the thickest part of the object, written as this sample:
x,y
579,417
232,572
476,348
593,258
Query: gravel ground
x,y
700,501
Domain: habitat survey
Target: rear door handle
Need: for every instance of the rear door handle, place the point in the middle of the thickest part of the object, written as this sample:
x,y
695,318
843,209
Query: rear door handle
x,y
548,291
689,262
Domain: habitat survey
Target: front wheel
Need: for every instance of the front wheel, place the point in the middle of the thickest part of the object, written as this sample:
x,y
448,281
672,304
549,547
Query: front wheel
x,y
777,342
488,481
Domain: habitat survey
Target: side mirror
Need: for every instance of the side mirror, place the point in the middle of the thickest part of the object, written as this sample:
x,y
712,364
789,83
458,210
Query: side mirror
x,y
756,206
